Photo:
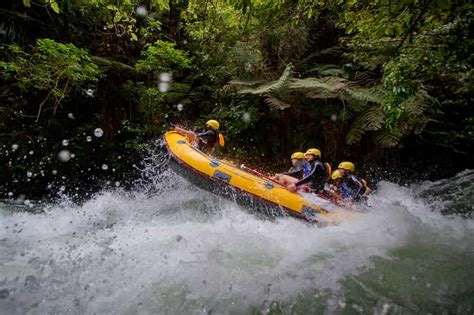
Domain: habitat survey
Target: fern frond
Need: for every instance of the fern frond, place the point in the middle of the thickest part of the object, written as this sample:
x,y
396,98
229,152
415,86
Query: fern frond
x,y
355,133
236,85
324,70
371,95
387,139
272,86
370,120
417,104
328,87
275,102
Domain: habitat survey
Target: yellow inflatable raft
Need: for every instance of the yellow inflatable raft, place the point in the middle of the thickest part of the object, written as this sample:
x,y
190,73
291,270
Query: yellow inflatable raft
x,y
244,186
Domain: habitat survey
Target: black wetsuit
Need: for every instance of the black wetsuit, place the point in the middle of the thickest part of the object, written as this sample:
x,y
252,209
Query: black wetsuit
x,y
209,138
352,187
315,175
297,170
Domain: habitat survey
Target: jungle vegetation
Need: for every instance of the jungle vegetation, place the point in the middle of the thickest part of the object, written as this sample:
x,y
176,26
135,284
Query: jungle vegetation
x,y
383,83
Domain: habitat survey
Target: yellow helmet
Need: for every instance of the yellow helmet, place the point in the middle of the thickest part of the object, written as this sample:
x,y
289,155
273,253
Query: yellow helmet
x,y
313,151
336,175
348,166
213,123
297,155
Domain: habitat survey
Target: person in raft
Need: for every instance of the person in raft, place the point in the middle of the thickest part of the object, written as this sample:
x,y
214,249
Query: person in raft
x,y
315,174
297,167
209,138
348,186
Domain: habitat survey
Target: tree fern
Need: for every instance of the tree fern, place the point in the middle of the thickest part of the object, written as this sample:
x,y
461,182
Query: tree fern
x,y
370,120
271,86
328,87
366,95
417,104
387,139
276,102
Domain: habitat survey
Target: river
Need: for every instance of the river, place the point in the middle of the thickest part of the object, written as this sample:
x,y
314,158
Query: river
x,y
175,249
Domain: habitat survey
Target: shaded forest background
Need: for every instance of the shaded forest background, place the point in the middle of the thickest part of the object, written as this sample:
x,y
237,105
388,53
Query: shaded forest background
x,y
87,84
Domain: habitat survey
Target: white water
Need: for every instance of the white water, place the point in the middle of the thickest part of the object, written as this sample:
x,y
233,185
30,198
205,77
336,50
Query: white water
x,y
185,251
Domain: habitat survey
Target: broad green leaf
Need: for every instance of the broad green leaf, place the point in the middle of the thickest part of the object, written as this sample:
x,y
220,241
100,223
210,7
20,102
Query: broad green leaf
x,y
134,36
54,5
27,3
117,17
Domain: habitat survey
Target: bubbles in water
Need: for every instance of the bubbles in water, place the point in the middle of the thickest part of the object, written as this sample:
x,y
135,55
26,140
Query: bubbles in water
x,y
179,107
90,92
246,117
163,87
29,174
15,147
334,117
165,77
64,156
88,138
105,167
98,132
70,116
65,143
142,11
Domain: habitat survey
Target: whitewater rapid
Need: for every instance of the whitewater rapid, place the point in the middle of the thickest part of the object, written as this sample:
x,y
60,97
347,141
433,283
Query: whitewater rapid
x,y
180,250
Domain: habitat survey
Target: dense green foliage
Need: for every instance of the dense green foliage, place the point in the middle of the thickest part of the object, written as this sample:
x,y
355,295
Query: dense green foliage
x,y
361,79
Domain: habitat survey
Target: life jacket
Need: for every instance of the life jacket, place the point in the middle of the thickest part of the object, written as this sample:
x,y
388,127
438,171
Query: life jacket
x,y
307,168
352,187
221,139
328,169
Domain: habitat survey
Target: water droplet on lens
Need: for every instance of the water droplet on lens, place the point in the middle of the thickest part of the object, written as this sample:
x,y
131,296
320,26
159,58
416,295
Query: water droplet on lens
x,y
70,116
165,77
142,11
90,92
98,132
105,167
333,117
246,117
163,87
88,138
65,143
179,107
64,156
73,155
